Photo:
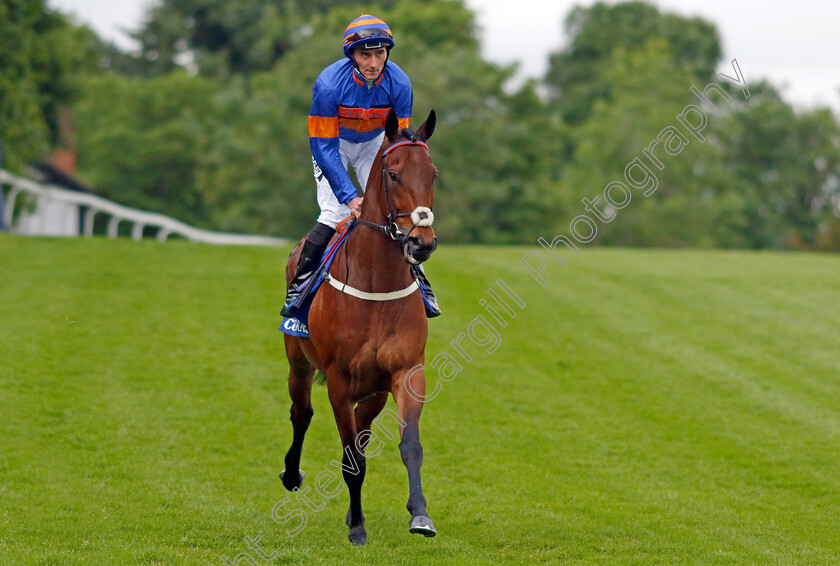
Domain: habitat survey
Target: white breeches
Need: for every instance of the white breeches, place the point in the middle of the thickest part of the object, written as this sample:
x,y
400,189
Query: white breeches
x,y
358,155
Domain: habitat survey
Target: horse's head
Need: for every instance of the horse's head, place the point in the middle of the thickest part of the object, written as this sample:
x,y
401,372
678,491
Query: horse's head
x,y
408,177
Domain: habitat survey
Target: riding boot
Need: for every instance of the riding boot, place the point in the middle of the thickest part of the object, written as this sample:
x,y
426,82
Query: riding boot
x,y
431,304
309,261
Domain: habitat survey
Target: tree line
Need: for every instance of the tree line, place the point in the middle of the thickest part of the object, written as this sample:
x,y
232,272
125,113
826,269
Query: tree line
x,y
206,121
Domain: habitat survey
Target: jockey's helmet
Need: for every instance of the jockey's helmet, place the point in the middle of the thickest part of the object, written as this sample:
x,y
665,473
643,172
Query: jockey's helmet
x,y
367,32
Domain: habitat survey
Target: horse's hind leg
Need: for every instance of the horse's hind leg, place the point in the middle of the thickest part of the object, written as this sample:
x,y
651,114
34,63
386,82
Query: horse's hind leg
x,y
408,389
301,373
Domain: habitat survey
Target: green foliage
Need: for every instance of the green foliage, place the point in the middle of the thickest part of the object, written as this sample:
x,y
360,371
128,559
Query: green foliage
x,y
254,173
649,91
596,32
787,167
764,176
140,141
496,151
208,122
42,57
226,37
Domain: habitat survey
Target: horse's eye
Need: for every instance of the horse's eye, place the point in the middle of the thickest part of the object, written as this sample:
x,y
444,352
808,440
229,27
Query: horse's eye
x,y
392,176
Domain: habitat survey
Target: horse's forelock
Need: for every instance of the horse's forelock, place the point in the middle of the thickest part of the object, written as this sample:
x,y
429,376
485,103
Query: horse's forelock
x,y
408,134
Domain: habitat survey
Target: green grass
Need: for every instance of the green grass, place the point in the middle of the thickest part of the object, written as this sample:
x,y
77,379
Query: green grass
x,y
646,407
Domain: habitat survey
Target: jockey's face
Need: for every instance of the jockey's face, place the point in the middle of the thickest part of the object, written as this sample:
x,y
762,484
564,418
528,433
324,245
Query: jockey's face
x,y
370,61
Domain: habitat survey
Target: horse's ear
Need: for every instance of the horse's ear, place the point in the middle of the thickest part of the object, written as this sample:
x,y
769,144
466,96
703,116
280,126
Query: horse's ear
x,y
392,125
428,127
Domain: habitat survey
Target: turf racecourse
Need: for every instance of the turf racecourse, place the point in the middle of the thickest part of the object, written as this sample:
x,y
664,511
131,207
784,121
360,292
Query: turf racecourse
x,y
644,408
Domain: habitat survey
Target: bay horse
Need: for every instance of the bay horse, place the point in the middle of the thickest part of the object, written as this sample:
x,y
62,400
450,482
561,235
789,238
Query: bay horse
x,y
368,347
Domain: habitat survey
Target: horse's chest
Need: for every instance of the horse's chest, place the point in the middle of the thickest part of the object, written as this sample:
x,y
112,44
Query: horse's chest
x,y
379,356
370,358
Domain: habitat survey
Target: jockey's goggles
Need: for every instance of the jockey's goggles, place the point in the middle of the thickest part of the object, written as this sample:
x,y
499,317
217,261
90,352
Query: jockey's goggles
x,y
372,38
368,33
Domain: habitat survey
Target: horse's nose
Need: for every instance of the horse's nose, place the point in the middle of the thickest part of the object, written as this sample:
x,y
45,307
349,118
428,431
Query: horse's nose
x,y
420,250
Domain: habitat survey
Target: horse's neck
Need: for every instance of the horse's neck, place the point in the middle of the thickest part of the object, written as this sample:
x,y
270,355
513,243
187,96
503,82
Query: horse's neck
x,y
375,260
375,245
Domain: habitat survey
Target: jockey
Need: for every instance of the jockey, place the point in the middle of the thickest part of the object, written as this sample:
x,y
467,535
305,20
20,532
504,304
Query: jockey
x,y
350,101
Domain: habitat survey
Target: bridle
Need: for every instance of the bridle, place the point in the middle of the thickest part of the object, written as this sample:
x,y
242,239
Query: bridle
x,y
420,216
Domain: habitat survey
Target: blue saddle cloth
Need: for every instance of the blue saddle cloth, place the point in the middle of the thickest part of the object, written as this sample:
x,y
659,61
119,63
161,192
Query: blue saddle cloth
x,y
299,324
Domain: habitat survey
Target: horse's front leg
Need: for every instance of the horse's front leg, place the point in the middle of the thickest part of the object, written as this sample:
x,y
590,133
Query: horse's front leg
x,y
409,389
353,459
366,411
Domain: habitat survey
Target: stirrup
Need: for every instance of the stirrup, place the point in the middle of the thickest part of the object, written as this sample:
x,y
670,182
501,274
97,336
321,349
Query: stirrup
x,y
429,298
297,293
431,304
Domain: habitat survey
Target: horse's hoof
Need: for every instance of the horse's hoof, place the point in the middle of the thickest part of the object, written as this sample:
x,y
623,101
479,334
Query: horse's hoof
x,y
358,536
289,485
347,520
422,525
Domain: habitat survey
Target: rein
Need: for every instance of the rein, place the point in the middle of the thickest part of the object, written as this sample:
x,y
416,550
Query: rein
x,y
421,216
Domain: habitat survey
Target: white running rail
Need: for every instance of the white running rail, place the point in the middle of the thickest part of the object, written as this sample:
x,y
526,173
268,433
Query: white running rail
x,y
118,213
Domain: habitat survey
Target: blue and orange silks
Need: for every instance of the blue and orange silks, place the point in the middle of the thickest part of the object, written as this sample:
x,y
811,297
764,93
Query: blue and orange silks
x,y
344,107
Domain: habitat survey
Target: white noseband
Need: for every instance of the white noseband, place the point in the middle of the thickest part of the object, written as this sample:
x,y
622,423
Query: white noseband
x,y
422,216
